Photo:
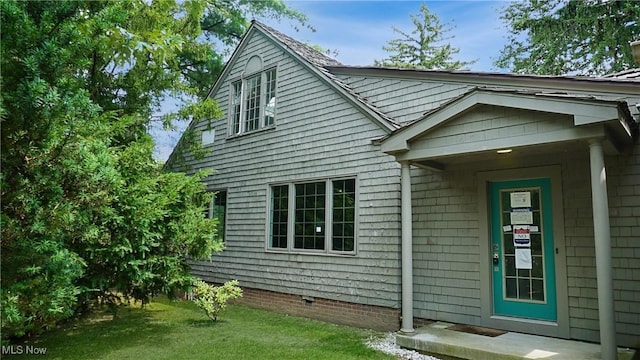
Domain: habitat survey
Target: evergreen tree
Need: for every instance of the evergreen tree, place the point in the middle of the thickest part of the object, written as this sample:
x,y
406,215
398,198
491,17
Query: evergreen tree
x,y
580,37
425,47
87,214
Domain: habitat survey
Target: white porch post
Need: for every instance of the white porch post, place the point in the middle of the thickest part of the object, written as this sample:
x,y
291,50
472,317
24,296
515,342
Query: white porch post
x,y
407,250
602,237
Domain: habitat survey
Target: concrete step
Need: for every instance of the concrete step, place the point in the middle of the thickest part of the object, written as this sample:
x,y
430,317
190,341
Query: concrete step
x,y
438,339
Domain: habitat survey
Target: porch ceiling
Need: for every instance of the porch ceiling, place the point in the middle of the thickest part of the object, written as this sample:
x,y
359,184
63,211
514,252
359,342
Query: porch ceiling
x,y
516,158
475,125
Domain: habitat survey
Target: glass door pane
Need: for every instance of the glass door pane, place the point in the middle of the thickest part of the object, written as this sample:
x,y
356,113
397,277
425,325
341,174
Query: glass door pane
x,y
522,250
523,278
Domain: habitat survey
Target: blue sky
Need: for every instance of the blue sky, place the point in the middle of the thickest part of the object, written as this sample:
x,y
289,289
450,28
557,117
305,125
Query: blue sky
x,y
357,30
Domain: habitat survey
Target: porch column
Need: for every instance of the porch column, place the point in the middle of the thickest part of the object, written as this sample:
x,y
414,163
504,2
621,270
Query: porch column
x,y
602,237
407,250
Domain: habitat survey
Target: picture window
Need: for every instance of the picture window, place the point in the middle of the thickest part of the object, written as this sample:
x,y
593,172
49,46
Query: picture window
x,y
317,216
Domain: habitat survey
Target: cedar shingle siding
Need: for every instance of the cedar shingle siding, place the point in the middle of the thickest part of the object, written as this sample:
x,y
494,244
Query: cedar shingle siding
x,y
329,120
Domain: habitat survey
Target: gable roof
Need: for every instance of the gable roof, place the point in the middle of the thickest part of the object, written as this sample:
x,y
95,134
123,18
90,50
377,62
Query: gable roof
x,y
317,63
321,64
584,110
329,70
306,52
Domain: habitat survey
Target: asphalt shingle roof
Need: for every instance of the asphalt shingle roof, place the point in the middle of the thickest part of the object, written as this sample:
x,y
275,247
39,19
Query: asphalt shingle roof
x,y
327,66
626,74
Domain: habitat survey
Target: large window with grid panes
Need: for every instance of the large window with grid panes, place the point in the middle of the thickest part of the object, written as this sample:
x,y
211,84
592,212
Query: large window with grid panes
x,y
253,102
315,216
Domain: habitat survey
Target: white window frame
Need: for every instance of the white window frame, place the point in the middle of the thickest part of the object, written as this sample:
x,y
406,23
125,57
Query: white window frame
x,y
328,221
240,128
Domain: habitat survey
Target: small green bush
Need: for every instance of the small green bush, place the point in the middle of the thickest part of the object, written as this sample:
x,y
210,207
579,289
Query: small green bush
x,y
213,299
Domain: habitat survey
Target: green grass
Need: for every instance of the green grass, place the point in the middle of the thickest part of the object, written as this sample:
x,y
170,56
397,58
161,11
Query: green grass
x,y
179,330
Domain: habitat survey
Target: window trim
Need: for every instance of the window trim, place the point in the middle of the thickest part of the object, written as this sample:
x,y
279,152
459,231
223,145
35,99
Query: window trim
x,y
210,211
244,92
328,237
270,218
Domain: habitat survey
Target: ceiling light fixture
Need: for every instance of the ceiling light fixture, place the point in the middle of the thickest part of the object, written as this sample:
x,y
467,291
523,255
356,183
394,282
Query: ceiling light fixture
x,y
504,151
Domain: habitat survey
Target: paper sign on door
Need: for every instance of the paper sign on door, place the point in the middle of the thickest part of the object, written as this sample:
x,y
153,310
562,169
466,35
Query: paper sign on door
x,y
521,216
520,199
523,258
521,235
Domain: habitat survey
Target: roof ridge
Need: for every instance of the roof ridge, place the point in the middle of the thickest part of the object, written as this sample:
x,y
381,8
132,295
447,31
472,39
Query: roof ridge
x,y
307,52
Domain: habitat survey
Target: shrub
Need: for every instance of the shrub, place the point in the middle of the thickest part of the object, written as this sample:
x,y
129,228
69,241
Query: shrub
x,y
213,299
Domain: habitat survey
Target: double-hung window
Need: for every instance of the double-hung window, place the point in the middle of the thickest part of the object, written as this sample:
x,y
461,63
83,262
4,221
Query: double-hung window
x,y
253,102
315,216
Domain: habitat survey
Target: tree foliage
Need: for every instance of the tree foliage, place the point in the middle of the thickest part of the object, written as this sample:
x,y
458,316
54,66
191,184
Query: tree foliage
x,y
425,47
86,211
557,37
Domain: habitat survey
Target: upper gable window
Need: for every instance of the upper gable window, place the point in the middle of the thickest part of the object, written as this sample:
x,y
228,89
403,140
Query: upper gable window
x,y
253,101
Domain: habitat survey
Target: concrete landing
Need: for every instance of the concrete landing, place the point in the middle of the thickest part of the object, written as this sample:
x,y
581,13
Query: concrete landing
x,y
437,339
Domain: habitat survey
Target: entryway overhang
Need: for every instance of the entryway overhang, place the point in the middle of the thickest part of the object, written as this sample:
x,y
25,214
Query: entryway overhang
x,y
483,120
475,125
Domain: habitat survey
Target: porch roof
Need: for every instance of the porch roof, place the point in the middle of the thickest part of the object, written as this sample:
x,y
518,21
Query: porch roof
x,y
561,118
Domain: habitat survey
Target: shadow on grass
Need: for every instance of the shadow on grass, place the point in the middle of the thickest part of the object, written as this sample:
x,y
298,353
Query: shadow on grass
x,y
101,334
179,330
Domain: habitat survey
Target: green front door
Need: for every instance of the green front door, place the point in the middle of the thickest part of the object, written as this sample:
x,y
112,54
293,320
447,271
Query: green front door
x,y
522,249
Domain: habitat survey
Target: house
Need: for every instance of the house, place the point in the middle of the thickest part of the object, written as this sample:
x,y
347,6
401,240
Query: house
x,y
383,198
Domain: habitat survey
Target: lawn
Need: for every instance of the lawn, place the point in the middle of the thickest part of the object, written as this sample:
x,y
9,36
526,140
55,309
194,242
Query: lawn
x,y
179,330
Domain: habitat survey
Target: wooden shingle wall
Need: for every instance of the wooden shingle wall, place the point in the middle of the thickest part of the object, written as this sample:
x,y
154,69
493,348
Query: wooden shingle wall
x,y
318,135
446,243
446,246
624,206
486,124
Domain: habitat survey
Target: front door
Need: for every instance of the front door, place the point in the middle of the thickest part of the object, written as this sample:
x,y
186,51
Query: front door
x,y
522,249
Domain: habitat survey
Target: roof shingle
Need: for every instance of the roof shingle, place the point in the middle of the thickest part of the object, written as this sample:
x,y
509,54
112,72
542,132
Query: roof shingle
x,y
625,74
